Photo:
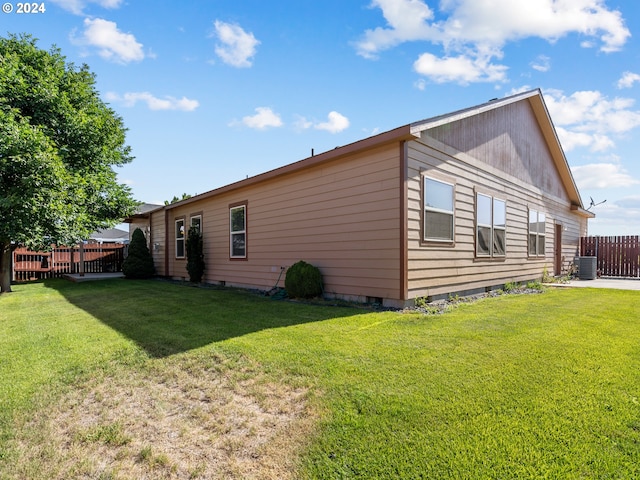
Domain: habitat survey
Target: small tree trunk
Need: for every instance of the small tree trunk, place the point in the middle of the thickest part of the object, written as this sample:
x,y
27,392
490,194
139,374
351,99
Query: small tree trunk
x,y
5,267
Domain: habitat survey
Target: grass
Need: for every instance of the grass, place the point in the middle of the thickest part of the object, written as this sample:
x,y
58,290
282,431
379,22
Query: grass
x,y
527,386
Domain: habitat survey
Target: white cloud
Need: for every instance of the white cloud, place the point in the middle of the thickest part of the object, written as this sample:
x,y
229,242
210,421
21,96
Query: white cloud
x,y
154,103
302,123
112,44
541,64
628,79
632,201
236,46
460,69
335,123
590,119
77,6
602,175
475,31
614,218
420,84
263,119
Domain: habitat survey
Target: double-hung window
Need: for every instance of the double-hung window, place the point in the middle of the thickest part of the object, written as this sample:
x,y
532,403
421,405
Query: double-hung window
x,y
238,231
180,238
196,222
491,225
537,227
438,211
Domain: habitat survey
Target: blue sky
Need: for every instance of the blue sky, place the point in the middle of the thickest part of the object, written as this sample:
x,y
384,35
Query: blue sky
x,y
215,91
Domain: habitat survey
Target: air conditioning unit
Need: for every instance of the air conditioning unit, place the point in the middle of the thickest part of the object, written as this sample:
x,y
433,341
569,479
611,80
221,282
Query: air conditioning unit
x,y
587,268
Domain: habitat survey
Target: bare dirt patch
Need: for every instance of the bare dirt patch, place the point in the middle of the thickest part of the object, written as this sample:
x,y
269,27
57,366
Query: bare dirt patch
x,y
174,421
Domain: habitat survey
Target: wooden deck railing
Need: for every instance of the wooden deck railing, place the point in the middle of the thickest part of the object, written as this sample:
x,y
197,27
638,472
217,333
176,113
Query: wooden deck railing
x,y
98,258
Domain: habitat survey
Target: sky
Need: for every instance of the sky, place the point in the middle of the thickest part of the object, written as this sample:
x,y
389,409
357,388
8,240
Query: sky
x,y
215,91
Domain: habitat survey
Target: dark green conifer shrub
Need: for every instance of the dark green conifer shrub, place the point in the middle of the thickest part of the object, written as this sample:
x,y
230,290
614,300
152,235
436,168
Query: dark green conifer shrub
x,y
139,262
303,280
195,255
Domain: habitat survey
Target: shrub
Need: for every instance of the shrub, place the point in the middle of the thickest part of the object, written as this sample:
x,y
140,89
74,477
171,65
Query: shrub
x,y
195,255
303,280
139,262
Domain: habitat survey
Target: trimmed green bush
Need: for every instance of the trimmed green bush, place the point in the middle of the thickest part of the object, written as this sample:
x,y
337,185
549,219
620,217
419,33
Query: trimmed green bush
x,y
303,280
139,262
195,255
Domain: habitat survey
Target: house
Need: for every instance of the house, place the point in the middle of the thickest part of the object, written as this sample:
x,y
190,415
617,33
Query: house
x,y
455,204
110,235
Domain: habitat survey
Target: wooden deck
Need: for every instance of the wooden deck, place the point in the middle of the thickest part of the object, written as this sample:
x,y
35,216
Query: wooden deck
x,y
98,258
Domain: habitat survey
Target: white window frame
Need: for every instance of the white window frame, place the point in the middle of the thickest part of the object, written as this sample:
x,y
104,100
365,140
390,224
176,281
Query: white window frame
x,y
180,237
499,228
430,209
233,233
491,226
540,236
194,217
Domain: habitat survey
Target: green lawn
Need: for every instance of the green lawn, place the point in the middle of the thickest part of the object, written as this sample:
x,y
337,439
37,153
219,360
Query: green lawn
x,y
523,386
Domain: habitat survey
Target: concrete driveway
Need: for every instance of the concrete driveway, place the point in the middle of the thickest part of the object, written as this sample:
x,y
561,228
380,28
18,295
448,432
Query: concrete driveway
x,y
616,283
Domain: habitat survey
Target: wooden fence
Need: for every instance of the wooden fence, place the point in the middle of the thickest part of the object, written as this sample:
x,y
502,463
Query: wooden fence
x,y
616,256
98,258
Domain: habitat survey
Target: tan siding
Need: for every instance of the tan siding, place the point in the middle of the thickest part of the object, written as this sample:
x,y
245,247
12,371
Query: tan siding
x,y
509,139
438,270
341,216
157,237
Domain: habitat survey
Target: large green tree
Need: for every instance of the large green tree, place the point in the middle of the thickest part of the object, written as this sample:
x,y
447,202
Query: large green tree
x,y
59,143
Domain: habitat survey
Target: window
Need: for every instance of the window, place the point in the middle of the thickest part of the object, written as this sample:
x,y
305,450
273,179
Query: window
x,y
491,225
238,231
196,221
180,238
438,210
536,234
499,227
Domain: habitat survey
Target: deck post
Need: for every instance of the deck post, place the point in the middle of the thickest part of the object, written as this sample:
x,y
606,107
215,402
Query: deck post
x,y
81,265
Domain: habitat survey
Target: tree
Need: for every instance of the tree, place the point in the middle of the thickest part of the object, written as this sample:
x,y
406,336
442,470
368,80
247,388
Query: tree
x,y
59,143
139,262
177,199
195,255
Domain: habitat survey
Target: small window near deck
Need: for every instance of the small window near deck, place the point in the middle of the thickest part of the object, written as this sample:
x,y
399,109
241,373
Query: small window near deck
x,y
179,238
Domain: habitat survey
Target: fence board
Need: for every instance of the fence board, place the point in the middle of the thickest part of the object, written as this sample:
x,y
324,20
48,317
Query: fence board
x,y
98,258
617,256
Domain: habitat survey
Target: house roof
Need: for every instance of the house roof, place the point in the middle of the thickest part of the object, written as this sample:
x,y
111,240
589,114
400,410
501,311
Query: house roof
x,y
110,235
411,131
391,136
142,211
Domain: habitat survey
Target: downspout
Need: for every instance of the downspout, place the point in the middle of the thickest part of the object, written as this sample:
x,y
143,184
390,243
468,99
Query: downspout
x,y
166,242
404,198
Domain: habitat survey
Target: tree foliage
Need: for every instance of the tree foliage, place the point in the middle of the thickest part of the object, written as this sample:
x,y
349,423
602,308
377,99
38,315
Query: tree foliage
x,y
139,262
195,255
59,143
177,199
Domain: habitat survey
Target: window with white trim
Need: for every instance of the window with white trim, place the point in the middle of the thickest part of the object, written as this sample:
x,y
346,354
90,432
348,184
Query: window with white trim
x,y
196,221
491,225
180,238
438,210
238,231
537,227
